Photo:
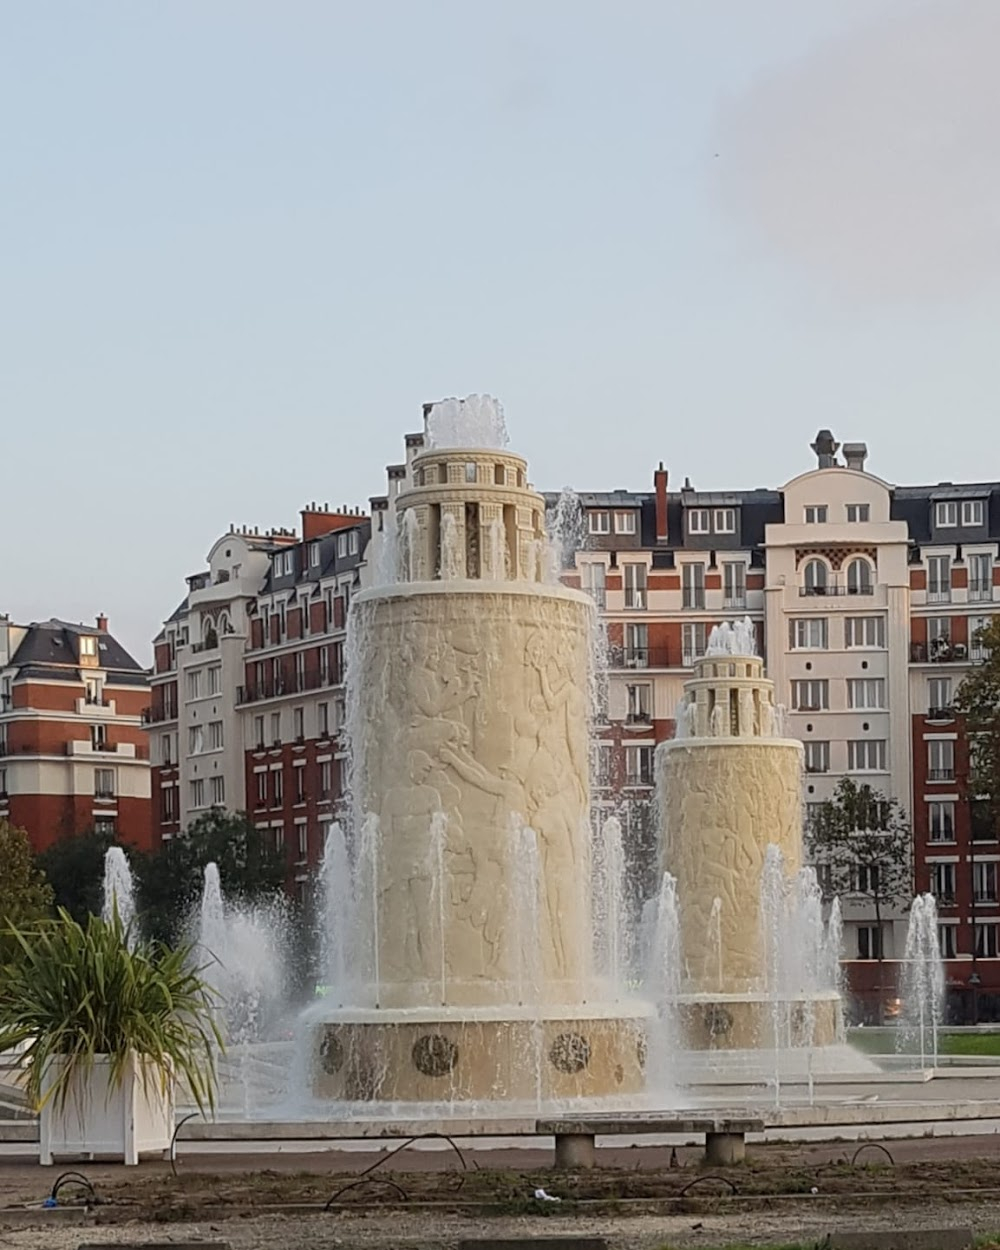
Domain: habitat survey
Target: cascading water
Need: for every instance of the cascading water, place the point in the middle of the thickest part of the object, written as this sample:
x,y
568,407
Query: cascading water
x,y
338,918
119,892
475,421
611,905
565,533
923,983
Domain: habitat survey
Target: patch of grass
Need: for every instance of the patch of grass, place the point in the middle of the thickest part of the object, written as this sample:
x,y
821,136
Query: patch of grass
x,y
969,1044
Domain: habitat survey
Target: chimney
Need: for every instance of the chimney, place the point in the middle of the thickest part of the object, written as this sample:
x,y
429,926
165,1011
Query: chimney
x,y
855,455
660,486
826,450
102,623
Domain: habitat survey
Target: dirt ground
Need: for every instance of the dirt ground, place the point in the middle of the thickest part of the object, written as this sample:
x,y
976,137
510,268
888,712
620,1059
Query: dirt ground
x,y
637,1198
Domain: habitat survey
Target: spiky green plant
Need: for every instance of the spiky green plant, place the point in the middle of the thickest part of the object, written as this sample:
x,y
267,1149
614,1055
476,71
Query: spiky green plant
x,y
72,992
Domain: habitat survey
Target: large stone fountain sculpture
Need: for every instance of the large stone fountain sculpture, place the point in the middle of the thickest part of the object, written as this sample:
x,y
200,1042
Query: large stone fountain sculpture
x,y
756,970
469,699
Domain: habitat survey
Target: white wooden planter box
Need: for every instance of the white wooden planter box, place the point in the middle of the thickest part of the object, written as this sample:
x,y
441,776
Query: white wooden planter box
x,y
103,1123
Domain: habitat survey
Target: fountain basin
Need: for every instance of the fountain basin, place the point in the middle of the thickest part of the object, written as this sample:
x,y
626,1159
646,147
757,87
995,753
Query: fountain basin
x,y
480,1055
725,1022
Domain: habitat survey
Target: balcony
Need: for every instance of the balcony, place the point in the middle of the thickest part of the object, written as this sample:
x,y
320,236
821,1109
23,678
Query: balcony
x,y
104,796
980,592
690,658
734,603
941,713
833,589
940,774
83,746
939,595
635,600
641,657
642,778
939,651
271,689
639,718
694,599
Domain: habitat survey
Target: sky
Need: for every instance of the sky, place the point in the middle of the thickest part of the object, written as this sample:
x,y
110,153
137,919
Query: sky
x,y
244,242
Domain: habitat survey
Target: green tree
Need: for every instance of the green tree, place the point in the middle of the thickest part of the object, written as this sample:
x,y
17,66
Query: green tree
x,y
978,700
25,895
74,867
861,844
251,868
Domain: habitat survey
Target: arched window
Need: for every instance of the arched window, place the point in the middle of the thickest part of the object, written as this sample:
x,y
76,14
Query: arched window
x,y
815,579
224,626
859,578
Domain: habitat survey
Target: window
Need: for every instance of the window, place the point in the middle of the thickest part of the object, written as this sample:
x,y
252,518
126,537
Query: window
x,y
300,670
946,515
939,697
258,732
635,585
278,834
946,940
104,783
939,637
624,522
869,942
352,543
698,521
105,825
810,696
91,685
337,661
282,618
734,584
636,646
866,693
88,646
168,804
215,735
196,739
865,879
987,941
943,882
817,757
326,779
815,577
324,666
276,729
299,720
198,792
194,684
858,512
261,789
277,787
816,514
859,578
599,522
984,881
339,712
693,583
165,749
303,843
323,720
808,633
977,650
864,632
98,737
217,791
300,784
314,555
972,513
604,764
866,755
593,577
638,766
981,577
470,471
694,638
941,821
938,579
215,679
725,520
640,702
941,759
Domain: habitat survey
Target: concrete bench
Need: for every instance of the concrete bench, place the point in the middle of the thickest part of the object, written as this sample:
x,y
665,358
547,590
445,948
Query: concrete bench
x,y
725,1136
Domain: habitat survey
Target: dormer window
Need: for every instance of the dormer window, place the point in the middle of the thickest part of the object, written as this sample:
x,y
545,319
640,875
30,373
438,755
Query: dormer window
x,y
725,520
624,522
972,513
314,555
599,522
88,646
946,515
698,521
816,514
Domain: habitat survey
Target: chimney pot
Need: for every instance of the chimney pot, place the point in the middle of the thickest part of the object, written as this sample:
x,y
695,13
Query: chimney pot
x,y
102,623
855,455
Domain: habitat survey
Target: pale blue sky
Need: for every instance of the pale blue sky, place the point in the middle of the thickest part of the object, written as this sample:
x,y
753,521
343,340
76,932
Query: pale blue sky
x,y
243,242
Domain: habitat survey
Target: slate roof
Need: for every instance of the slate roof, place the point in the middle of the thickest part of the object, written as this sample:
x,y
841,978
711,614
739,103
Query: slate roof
x,y
51,646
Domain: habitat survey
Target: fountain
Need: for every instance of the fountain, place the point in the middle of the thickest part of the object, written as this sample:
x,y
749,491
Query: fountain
x,y
755,982
119,892
469,687
922,990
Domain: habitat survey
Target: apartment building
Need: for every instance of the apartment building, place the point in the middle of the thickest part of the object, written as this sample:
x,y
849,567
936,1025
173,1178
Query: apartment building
x,y
866,598
73,754
247,685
